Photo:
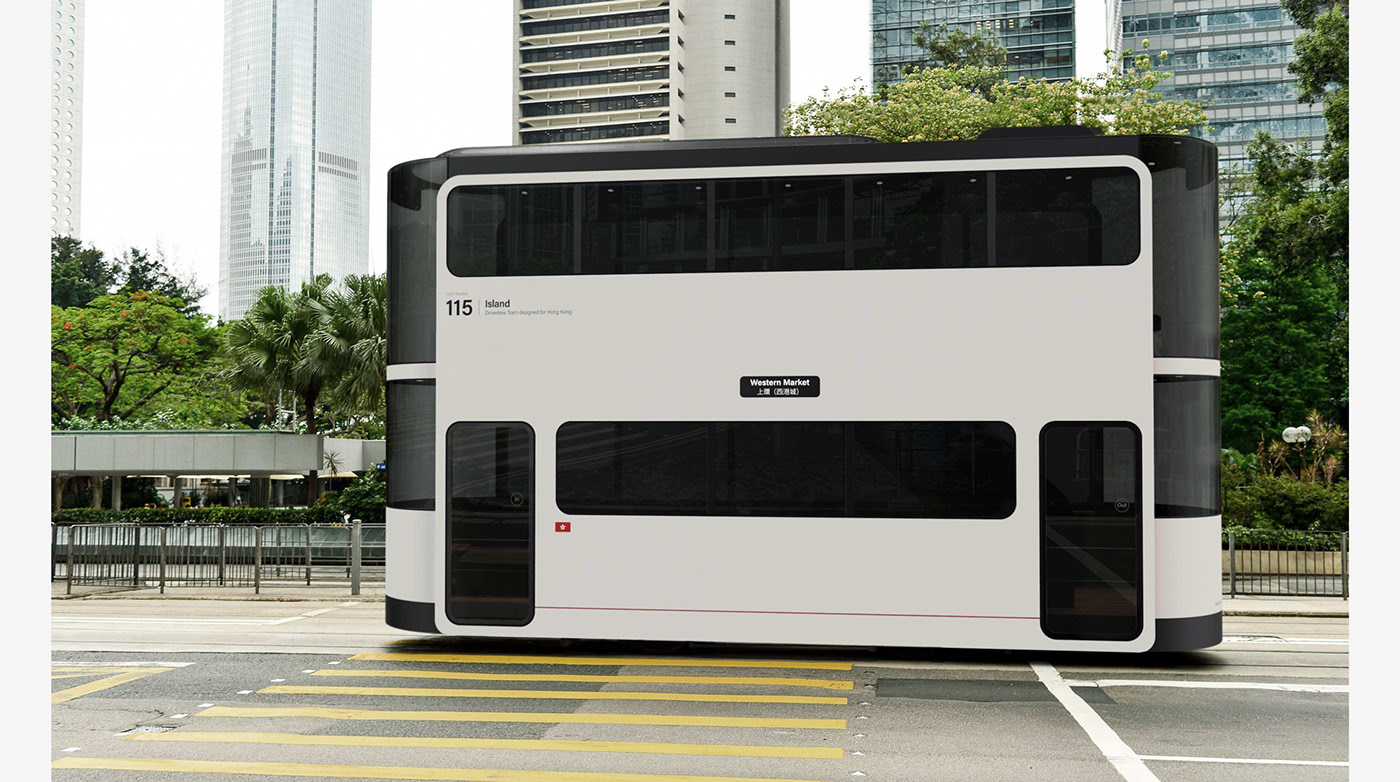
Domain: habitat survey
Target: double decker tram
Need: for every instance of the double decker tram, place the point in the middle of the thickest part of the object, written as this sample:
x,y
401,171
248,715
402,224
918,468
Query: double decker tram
x,y
809,391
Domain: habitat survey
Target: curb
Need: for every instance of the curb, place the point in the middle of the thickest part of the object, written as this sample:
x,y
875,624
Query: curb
x,y
1260,612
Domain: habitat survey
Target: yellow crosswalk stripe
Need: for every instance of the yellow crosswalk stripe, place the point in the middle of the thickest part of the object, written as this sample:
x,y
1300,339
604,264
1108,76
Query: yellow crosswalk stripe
x,y
372,772
767,681
127,675
579,695
665,662
558,718
553,745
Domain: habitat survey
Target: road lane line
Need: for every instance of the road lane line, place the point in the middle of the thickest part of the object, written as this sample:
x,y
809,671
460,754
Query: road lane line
x,y
1207,685
1251,761
373,772
769,681
665,662
549,745
75,664
581,695
1124,760
1274,639
129,675
326,712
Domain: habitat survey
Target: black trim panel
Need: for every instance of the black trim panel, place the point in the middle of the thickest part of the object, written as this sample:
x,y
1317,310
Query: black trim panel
x,y
409,615
1188,633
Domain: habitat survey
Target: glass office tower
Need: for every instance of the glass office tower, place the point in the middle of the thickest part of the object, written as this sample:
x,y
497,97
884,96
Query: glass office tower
x,y
295,157
1233,56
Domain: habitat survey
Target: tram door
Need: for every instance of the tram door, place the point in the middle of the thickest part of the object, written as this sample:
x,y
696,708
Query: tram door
x,y
490,524
1091,531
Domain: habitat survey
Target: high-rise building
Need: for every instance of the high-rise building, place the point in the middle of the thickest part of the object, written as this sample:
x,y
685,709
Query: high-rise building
x,y
612,70
295,159
1233,56
66,83
1044,39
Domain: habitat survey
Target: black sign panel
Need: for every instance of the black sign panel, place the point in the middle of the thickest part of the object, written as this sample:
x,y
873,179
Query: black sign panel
x,y
780,385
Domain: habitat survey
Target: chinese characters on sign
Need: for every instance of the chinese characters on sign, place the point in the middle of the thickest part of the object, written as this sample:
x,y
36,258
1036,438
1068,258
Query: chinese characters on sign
x,y
781,385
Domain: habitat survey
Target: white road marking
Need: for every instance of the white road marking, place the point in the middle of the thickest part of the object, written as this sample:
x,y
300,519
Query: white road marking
x,y
309,670
123,620
1124,760
1253,761
347,605
279,680
204,705
1215,685
98,664
178,716
70,749
1274,639
245,692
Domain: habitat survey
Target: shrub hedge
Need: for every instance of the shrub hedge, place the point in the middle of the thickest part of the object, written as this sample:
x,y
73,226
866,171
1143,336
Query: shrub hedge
x,y
320,514
1252,538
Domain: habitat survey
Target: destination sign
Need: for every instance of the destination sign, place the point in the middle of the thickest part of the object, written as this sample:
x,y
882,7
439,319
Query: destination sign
x,y
780,386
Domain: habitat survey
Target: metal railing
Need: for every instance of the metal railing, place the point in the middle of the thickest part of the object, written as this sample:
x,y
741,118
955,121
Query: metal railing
x,y
208,555
1283,562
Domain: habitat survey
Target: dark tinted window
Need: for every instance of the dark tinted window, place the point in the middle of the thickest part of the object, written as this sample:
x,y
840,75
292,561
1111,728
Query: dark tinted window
x,y
1185,249
490,484
644,227
652,469
409,452
865,469
1091,532
619,76
1063,217
780,469
779,224
510,231
918,221
412,260
1067,217
1187,446
953,470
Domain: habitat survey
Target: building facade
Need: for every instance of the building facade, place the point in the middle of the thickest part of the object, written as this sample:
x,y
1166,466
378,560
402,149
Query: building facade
x,y
66,136
1044,39
1233,56
295,156
614,70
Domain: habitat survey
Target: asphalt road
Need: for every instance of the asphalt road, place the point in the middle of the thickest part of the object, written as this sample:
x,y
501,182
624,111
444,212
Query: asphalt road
x,y
181,690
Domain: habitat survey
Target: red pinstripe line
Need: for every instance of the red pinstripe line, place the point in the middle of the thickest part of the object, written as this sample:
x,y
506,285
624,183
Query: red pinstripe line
x,y
784,613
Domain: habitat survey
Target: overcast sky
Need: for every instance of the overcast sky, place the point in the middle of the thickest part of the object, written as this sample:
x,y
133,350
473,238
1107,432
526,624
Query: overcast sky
x,y
441,79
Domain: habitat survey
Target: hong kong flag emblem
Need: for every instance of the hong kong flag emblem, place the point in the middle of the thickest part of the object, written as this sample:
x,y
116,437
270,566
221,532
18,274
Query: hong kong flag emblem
x,y
561,526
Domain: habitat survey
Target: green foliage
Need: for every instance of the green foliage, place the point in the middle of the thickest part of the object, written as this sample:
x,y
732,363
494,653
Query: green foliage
x,y
958,48
364,499
1285,269
78,274
1275,349
959,102
138,270
319,514
114,357
1247,538
1274,502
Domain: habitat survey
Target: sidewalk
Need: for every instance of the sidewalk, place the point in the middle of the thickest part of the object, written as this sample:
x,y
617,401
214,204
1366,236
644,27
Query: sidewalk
x,y
273,592
1258,605
1233,606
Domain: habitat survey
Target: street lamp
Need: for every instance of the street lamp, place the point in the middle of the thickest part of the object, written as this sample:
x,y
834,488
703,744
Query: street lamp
x,y
1298,436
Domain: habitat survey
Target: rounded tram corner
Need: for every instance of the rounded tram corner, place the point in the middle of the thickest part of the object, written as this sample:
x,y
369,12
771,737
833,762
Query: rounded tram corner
x,y
410,615
1189,634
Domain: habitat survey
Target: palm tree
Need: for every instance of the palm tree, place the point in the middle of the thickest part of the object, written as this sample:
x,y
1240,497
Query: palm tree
x,y
272,349
354,341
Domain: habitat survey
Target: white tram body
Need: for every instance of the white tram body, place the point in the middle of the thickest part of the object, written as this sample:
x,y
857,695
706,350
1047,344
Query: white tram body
x,y
809,391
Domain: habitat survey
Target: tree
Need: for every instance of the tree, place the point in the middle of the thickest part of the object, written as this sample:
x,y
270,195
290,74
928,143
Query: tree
x,y
957,48
78,274
112,358
1291,241
275,347
950,103
139,270
355,342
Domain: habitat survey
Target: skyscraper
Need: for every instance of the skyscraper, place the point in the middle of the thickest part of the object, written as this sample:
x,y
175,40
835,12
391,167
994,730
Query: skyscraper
x,y
1233,56
1044,39
607,70
66,81
295,157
